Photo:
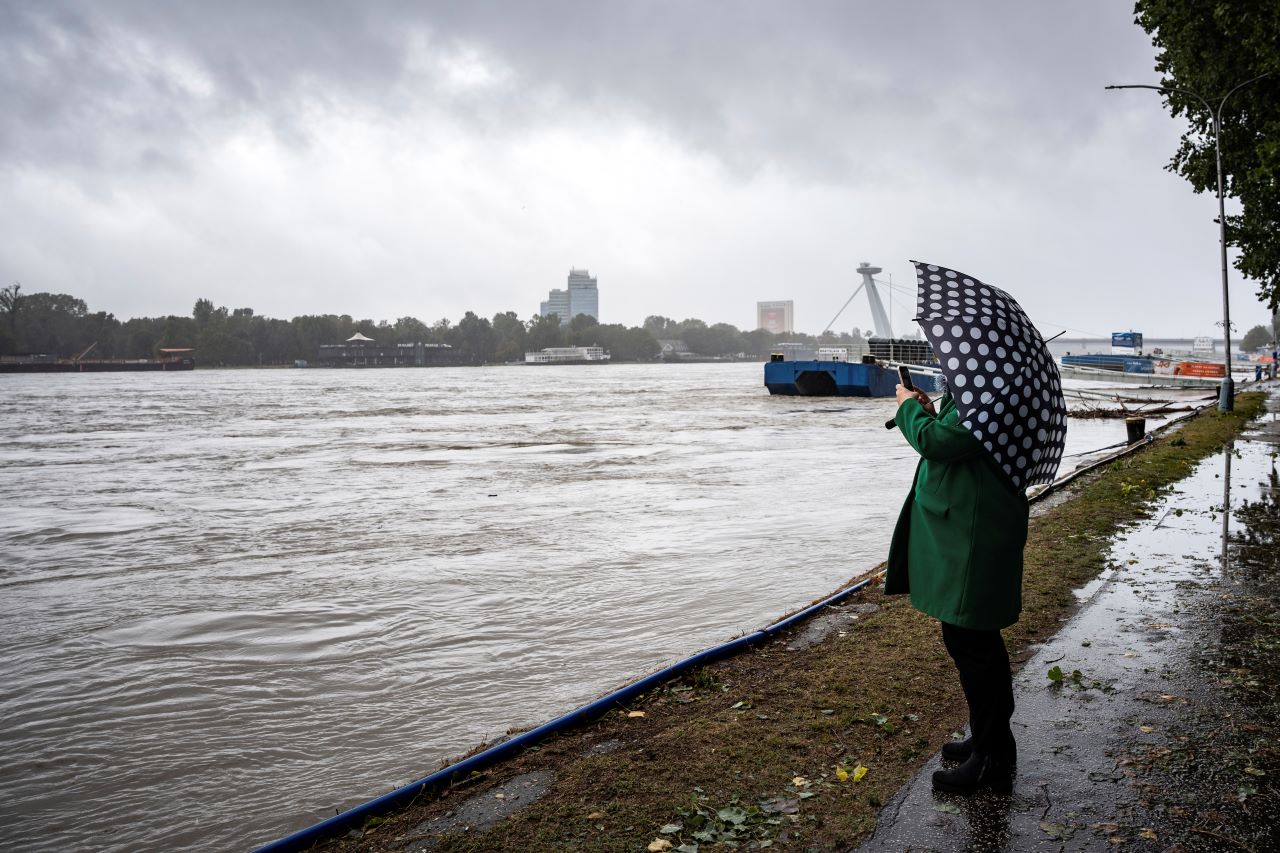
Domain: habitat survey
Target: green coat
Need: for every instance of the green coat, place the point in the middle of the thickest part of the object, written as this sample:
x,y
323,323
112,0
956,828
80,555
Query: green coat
x,y
958,545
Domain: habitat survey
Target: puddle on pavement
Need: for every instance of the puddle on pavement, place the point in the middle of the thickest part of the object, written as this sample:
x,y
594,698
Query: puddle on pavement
x,y
1191,597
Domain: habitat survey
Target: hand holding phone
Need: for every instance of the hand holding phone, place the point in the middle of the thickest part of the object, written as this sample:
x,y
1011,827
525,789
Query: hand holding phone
x,y
904,377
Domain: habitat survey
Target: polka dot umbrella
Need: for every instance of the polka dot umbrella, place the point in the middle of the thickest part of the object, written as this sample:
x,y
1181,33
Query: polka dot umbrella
x,y
1004,381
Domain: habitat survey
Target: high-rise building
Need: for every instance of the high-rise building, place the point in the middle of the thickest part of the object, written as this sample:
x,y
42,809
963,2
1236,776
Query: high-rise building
x,y
581,297
775,317
557,303
584,297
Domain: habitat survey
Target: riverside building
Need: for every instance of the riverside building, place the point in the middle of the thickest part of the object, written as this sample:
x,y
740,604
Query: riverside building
x,y
581,296
361,351
776,317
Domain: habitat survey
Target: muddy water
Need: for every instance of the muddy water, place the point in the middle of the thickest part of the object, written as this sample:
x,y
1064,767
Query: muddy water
x,y
235,601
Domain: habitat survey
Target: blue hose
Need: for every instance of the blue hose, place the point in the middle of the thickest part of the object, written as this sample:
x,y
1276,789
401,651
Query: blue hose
x,y
306,839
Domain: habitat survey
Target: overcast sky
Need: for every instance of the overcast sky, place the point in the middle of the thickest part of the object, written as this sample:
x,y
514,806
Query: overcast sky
x,y
391,159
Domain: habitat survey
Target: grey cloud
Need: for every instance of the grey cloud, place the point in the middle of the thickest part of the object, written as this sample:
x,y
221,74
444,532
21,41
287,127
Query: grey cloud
x,y
824,90
128,84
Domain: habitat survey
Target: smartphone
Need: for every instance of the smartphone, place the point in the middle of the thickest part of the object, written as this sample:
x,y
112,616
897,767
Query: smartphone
x,y
904,376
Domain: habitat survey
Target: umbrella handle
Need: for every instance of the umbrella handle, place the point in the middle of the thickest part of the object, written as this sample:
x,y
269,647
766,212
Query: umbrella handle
x,y
893,422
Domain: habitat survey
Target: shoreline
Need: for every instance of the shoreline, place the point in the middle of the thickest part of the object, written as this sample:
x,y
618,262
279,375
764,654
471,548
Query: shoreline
x,y
743,731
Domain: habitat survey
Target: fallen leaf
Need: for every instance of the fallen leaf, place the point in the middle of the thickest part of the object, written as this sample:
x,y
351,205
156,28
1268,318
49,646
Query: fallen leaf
x,y
634,714
595,815
657,845
1149,834
781,805
859,772
733,814
842,774
499,796
1254,771
671,829
1056,830
799,781
948,808
1146,729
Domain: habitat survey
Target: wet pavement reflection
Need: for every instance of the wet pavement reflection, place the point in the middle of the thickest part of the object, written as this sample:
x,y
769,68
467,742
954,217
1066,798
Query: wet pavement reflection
x,y
1118,754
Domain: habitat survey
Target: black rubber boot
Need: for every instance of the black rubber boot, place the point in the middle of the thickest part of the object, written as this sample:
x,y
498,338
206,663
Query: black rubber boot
x,y
979,773
958,750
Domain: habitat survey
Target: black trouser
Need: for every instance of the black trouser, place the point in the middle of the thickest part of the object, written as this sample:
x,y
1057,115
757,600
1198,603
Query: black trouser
x,y
983,662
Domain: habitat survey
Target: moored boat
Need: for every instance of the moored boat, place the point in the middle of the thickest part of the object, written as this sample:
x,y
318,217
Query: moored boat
x,y
170,359
796,369
866,378
1126,357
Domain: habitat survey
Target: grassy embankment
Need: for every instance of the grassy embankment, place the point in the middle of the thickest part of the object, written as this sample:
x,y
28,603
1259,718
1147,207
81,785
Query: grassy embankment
x,y
798,749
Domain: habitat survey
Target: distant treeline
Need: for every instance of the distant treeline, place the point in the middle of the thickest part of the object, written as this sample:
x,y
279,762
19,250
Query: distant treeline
x,y
56,323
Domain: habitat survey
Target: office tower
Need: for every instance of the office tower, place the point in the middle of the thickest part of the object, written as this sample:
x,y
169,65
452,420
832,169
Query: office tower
x,y
580,297
557,303
584,297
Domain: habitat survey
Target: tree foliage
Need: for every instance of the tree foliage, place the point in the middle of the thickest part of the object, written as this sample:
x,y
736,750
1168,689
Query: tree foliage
x,y
1258,336
1209,48
59,324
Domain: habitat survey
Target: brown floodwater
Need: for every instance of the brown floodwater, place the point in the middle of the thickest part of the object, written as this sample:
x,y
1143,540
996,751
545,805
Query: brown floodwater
x,y
235,601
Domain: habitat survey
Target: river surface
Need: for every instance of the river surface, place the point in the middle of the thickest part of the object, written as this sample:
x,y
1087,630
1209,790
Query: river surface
x,y
235,601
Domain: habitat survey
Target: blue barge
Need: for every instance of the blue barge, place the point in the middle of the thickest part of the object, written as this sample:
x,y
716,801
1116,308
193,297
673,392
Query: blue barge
x,y
840,379
798,369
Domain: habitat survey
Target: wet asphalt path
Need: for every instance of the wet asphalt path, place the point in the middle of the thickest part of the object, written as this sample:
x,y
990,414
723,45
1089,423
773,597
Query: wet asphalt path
x,y
1139,624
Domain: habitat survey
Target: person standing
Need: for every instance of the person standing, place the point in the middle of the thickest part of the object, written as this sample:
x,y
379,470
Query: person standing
x,y
957,551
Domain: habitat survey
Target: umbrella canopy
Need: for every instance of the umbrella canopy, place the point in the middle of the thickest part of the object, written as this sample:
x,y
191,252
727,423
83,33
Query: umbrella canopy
x,y
1001,374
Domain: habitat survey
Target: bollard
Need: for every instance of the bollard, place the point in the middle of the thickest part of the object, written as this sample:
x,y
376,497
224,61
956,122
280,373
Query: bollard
x,y
1136,428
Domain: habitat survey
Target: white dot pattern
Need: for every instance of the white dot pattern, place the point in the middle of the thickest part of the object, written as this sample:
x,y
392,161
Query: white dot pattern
x,y
1012,400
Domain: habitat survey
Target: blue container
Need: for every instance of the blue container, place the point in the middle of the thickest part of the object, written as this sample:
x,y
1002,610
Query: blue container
x,y
838,379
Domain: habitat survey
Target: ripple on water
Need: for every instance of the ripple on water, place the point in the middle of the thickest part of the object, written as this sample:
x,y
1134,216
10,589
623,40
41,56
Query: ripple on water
x,y
237,600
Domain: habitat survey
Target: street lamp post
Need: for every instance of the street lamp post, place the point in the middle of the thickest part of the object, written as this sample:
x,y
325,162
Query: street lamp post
x,y
1226,396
